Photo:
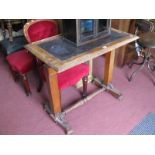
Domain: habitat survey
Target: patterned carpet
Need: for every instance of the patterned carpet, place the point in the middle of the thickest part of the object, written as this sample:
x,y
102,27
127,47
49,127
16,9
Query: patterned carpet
x,y
146,126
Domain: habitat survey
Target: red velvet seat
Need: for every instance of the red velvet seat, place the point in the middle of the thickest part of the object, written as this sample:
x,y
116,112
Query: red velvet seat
x,y
40,29
20,63
72,76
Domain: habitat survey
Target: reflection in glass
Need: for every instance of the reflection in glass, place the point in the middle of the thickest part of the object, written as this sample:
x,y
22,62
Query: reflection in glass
x,y
102,25
86,27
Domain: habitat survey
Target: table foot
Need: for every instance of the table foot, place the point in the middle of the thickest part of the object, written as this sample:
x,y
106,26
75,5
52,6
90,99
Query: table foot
x,y
115,92
110,88
59,118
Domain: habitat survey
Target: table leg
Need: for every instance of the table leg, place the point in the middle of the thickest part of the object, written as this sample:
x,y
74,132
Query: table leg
x,y
54,107
109,64
107,79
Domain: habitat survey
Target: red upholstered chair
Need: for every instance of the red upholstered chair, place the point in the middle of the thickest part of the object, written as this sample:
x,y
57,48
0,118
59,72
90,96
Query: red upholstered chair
x,y
40,29
36,30
20,63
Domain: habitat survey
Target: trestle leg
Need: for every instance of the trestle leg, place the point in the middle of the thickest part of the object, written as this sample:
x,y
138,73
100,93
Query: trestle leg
x,y
110,88
59,118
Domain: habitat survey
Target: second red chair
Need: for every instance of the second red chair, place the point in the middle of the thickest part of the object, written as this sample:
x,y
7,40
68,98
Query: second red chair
x,y
41,29
20,63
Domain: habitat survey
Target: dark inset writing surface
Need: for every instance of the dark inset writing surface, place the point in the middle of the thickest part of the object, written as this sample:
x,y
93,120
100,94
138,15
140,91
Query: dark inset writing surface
x,y
63,49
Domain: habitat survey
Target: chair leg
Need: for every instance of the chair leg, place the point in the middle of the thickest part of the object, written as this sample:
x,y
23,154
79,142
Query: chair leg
x,y
39,67
40,85
84,81
136,63
137,70
14,74
26,84
40,78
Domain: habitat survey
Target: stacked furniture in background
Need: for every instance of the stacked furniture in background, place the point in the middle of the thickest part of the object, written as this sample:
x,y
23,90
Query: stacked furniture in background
x,y
144,47
12,38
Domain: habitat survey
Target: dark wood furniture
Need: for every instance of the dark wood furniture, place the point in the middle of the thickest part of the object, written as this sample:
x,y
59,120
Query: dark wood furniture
x,y
125,25
55,65
8,24
12,43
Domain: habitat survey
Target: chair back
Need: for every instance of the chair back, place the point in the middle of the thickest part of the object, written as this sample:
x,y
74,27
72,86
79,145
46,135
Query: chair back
x,y
143,26
36,30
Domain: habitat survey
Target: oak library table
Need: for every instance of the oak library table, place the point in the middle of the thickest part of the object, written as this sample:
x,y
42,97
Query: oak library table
x,y
59,54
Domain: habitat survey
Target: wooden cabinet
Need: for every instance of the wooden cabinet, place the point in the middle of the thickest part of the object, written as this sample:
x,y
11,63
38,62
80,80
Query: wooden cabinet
x,y
126,25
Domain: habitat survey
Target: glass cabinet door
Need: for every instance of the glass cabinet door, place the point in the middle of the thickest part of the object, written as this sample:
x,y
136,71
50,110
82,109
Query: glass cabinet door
x,y
102,25
86,28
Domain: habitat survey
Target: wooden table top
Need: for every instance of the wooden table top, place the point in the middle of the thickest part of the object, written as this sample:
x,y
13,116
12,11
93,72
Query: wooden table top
x,y
46,51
